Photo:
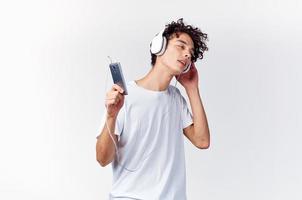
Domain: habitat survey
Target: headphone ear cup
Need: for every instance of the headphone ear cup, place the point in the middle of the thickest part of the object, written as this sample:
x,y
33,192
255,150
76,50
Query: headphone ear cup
x,y
158,44
163,48
187,68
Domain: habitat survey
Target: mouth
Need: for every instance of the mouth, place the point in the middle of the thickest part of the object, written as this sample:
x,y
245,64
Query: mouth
x,y
182,62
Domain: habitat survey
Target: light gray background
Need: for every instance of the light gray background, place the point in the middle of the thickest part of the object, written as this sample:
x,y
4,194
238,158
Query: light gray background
x,y
52,80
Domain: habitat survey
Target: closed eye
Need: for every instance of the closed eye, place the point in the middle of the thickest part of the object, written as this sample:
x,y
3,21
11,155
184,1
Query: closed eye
x,y
181,46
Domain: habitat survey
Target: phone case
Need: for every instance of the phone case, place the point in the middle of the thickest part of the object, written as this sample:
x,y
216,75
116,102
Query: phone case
x,y
117,76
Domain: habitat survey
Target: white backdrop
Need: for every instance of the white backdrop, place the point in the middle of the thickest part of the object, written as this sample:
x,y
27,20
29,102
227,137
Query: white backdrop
x,y
53,58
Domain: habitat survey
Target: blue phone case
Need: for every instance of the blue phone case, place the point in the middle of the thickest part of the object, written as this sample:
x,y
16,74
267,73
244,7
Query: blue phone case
x,y
117,76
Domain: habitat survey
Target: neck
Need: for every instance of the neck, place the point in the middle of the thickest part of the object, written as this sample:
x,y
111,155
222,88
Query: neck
x,y
157,79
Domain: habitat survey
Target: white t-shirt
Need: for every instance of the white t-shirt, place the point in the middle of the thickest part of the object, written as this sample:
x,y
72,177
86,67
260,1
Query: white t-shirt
x,y
151,145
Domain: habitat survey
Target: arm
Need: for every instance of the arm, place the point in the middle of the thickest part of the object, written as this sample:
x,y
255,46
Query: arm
x,y
198,133
105,149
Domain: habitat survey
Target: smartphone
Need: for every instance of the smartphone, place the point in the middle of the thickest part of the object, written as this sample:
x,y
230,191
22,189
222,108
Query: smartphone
x,y
117,76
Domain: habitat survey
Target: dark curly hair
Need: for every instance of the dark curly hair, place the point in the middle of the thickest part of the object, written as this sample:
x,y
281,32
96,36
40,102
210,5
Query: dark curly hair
x,y
199,38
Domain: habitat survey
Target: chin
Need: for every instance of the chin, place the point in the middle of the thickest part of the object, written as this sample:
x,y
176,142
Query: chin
x,y
177,71
174,70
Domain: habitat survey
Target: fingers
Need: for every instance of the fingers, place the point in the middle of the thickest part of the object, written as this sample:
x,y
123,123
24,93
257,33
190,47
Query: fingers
x,y
193,66
114,96
116,87
112,102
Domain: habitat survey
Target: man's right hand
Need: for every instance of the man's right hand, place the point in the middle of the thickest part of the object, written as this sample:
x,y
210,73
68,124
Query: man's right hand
x,y
105,147
114,100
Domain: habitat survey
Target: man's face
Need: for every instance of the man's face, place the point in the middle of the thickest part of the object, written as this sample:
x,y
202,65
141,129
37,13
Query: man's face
x,y
178,53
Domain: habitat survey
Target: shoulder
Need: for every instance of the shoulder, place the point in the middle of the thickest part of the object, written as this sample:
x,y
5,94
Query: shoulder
x,y
174,90
176,93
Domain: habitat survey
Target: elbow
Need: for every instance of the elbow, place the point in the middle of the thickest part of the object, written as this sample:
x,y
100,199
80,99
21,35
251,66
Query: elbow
x,y
203,144
102,158
204,141
102,162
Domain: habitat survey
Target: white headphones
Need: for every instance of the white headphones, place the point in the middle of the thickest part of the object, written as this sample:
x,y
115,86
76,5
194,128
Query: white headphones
x,y
158,47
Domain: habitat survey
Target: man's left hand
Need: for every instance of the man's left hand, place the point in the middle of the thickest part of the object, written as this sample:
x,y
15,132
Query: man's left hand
x,y
189,80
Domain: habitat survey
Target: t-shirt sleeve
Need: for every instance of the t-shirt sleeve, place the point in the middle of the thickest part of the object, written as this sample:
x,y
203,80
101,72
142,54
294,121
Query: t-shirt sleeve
x,y
118,124
185,113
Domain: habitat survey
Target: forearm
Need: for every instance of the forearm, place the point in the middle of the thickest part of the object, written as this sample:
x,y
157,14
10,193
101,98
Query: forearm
x,y
105,149
201,128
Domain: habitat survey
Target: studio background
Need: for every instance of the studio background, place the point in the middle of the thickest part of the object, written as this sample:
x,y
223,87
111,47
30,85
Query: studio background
x,y
53,59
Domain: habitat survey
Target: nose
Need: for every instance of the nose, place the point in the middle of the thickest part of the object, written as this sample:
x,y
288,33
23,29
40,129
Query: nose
x,y
188,56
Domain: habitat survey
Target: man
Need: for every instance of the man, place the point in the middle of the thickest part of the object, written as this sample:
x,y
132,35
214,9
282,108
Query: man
x,y
149,123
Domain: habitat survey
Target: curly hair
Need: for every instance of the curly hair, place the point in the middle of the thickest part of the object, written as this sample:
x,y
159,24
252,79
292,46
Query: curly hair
x,y
199,38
